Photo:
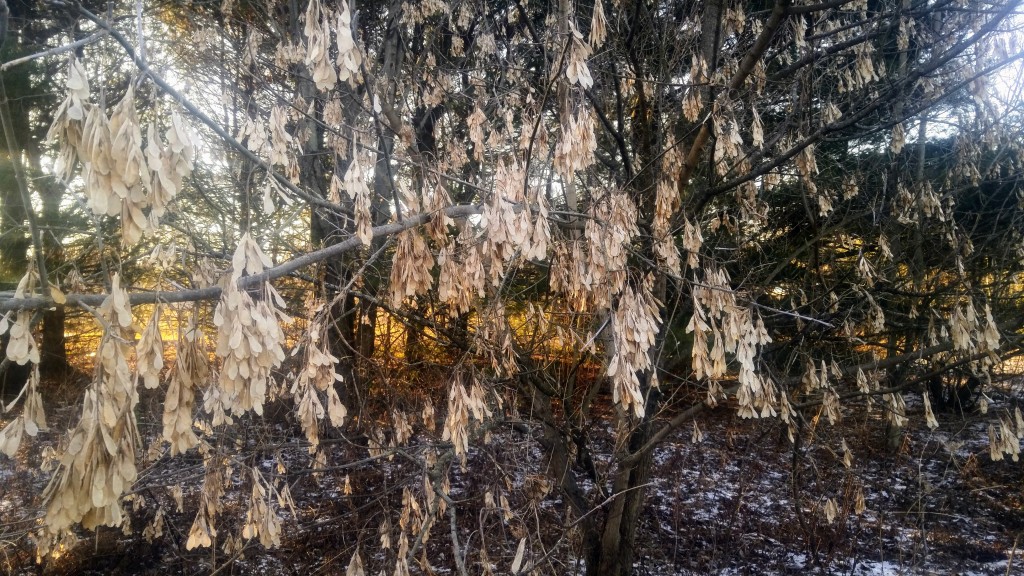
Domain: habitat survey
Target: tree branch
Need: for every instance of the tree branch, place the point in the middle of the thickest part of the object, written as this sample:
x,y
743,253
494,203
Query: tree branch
x,y
53,51
746,67
8,303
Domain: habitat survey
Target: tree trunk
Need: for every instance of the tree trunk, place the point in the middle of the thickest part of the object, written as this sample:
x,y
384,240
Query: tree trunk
x,y
52,351
14,241
553,440
327,228
618,539
53,354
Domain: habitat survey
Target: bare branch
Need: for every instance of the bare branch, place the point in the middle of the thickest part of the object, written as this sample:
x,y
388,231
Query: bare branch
x,y
98,35
279,271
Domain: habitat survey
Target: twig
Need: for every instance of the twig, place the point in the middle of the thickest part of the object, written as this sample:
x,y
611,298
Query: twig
x,y
460,560
792,314
763,306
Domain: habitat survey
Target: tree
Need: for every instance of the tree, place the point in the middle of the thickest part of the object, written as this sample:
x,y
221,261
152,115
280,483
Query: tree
x,y
29,96
732,202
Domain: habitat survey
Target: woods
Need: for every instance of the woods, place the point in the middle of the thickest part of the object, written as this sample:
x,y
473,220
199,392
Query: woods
x,y
401,237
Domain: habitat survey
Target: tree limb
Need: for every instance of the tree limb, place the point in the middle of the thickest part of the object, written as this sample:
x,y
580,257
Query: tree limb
x,y
54,51
8,303
746,67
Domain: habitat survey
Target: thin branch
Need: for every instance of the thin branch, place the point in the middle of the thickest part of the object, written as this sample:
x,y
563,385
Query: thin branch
x,y
460,559
746,67
616,135
792,314
54,51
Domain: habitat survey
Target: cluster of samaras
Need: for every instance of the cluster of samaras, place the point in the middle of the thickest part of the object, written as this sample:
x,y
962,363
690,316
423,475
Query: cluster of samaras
x,y
122,178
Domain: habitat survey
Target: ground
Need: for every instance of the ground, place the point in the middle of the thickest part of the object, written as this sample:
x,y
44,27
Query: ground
x,y
744,500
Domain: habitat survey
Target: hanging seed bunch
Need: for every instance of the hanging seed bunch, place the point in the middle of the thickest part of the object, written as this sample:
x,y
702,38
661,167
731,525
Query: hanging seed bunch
x,y
121,178
22,349
635,325
318,376
191,370
98,463
249,338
